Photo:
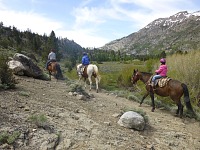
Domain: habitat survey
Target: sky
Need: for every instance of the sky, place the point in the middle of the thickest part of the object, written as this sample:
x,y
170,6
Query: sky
x,y
90,23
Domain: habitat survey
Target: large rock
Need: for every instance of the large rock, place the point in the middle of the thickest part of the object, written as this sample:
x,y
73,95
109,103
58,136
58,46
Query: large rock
x,y
23,65
132,120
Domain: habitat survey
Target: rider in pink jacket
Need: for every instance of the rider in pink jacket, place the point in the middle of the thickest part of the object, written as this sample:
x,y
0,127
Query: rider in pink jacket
x,y
161,72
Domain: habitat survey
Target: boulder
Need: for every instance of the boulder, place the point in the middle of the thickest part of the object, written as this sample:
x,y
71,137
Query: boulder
x,y
132,120
23,65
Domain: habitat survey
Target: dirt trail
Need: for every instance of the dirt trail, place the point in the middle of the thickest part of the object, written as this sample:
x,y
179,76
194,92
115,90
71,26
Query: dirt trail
x,y
88,124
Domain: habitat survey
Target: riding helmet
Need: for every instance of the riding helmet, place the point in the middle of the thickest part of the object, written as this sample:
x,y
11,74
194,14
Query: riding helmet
x,y
162,60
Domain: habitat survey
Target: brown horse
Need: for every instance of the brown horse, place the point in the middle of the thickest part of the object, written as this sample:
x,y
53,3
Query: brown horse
x,y
174,89
54,69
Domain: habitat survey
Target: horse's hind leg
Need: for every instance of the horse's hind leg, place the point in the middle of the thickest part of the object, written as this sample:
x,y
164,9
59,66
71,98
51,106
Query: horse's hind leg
x,y
49,75
85,82
90,80
97,87
152,100
180,109
144,98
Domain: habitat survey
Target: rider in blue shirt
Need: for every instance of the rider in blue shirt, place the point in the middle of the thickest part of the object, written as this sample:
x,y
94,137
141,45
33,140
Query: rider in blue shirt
x,y
85,59
85,62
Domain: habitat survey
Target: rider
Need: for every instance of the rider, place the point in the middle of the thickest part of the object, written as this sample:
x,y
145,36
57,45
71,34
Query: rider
x,y
85,62
51,58
161,72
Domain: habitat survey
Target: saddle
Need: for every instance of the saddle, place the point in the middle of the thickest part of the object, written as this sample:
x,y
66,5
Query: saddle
x,y
161,82
51,62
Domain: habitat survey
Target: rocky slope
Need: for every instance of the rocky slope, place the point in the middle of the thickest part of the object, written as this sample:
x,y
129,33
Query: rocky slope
x,y
89,124
177,32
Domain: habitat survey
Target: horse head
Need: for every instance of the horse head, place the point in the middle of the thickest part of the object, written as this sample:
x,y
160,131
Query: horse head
x,y
135,76
78,70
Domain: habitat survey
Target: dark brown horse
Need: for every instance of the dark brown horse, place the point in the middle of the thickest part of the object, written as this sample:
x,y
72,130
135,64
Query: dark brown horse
x,y
54,69
174,89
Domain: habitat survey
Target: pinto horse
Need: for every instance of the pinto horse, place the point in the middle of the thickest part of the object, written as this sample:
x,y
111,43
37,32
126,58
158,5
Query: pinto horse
x,y
54,69
174,89
89,71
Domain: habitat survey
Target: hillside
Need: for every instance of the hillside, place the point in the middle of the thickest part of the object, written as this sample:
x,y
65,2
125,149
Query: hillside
x,y
177,32
86,124
13,40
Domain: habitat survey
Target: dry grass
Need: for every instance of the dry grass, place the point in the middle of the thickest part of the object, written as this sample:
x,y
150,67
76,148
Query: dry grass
x,y
185,68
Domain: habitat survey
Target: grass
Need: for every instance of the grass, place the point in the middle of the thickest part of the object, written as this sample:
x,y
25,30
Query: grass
x,y
115,76
24,93
39,120
9,138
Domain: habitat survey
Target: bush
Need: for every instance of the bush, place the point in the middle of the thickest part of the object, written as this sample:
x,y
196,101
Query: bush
x,y
39,120
5,137
7,80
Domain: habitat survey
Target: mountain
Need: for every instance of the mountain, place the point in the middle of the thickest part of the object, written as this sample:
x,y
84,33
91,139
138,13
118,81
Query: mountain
x,y
179,32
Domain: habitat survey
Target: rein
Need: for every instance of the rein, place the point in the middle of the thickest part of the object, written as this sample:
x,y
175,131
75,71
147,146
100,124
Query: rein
x,y
143,76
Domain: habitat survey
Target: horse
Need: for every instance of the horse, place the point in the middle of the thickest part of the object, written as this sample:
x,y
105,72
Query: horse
x,y
174,89
89,71
54,69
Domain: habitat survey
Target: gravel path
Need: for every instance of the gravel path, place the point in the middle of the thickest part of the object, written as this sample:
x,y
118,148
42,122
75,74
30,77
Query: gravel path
x,y
89,124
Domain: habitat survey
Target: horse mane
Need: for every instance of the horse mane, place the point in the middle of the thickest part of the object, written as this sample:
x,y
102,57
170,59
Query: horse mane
x,y
146,73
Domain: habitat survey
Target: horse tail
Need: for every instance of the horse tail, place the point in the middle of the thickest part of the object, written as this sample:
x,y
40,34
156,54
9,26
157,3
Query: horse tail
x,y
59,72
96,70
187,98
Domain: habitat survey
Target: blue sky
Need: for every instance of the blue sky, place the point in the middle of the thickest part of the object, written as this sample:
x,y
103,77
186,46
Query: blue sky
x,y
90,23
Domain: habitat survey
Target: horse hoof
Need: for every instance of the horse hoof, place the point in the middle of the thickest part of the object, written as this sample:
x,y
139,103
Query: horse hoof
x,y
152,110
140,105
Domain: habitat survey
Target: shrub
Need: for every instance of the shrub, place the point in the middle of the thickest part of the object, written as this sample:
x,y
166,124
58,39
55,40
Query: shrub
x,y
38,120
5,137
7,79
23,93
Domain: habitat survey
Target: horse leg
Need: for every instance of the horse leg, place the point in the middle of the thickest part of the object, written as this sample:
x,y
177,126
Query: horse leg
x,y
90,80
144,98
49,75
97,86
85,82
178,110
181,109
152,100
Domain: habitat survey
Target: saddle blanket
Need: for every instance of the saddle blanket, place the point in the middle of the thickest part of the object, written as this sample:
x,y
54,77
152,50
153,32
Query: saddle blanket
x,y
163,81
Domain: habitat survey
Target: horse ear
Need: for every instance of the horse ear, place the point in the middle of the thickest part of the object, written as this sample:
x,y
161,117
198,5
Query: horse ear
x,y
137,70
134,71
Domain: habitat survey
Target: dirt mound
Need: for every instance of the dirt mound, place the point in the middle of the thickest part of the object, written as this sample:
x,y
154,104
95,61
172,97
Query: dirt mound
x,y
47,117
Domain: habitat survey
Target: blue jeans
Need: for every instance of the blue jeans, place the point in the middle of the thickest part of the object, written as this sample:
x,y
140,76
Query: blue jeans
x,y
156,77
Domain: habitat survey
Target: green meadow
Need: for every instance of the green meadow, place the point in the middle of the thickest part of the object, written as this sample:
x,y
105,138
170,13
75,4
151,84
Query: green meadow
x,y
116,77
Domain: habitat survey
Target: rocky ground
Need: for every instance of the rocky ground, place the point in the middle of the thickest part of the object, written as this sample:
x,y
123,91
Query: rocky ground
x,y
90,124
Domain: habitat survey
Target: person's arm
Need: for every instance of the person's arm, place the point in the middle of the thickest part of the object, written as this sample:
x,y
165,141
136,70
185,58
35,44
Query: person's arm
x,y
83,60
159,70
49,56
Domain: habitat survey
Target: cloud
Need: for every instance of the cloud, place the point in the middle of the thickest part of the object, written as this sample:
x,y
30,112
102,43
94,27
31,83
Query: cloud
x,y
29,20
94,23
84,38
